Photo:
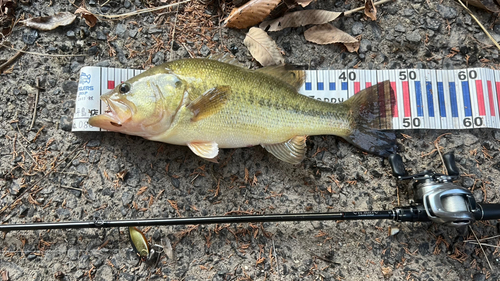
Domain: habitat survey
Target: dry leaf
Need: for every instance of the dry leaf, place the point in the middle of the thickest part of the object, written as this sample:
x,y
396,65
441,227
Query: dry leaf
x,y
328,34
262,47
488,5
250,14
7,16
387,272
5,275
50,22
370,10
300,18
90,19
7,7
303,3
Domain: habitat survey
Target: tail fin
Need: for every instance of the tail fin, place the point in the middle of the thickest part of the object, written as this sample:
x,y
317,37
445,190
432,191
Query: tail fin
x,y
371,112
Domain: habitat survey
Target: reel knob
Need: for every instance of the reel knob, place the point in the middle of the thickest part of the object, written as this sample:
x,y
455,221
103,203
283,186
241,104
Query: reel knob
x,y
397,165
450,164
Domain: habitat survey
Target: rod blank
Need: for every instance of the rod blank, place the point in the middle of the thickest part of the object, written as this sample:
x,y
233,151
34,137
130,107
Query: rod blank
x,y
365,215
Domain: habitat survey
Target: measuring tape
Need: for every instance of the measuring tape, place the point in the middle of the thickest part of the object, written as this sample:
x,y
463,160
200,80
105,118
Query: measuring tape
x,y
424,98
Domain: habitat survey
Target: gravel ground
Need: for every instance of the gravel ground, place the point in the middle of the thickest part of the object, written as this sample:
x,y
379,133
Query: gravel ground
x,y
86,176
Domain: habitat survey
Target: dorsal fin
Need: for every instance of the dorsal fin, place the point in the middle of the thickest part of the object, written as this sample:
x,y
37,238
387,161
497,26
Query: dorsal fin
x,y
226,58
286,74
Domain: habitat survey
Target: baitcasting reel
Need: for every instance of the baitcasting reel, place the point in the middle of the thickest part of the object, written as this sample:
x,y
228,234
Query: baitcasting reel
x,y
436,196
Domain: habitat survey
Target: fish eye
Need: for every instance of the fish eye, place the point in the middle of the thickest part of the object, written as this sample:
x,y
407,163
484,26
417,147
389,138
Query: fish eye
x,y
178,84
124,88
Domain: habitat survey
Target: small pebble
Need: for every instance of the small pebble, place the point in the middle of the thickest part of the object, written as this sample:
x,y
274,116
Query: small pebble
x,y
30,36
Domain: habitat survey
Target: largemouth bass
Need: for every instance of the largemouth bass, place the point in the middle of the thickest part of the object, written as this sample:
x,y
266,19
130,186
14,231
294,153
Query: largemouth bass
x,y
209,104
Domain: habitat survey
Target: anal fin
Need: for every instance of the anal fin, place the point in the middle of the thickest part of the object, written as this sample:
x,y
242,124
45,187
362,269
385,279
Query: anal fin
x,y
206,150
292,151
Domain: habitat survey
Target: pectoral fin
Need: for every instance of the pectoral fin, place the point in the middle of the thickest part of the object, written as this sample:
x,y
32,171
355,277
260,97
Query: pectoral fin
x,y
207,150
209,103
291,151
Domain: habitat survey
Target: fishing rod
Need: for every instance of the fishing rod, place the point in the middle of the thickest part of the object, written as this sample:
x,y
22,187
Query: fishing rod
x,y
436,198
416,213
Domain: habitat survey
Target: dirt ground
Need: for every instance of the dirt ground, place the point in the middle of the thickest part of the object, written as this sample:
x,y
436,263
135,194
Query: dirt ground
x,y
85,176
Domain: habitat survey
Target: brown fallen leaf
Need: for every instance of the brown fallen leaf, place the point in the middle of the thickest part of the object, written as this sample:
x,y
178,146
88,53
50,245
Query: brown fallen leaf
x,y
250,14
90,19
7,15
488,5
303,3
328,34
370,10
262,47
5,275
7,7
300,18
50,22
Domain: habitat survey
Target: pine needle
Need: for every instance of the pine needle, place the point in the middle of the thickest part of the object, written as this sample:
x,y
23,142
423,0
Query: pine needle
x,y
480,244
147,10
359,9
41,54
479,23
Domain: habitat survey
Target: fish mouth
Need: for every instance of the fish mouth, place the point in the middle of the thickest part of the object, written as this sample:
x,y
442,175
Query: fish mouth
x,y
116,113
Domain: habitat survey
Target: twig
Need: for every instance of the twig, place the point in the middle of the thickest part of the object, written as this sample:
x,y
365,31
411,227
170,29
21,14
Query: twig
x,y
483,239
147,10
36,103
276,259
173,35
26,149
69,164
70,187
397,192
363,8
482,27
38,54
484,244
12,59
73,174
481,246
38,133
324,259
436,144
191,54
36,183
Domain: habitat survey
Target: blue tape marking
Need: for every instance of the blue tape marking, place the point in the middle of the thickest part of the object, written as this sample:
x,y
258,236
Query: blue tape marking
x,y
453,97
442,108
321,86
332,86
420,106
308,86
430,101
467,103
344,86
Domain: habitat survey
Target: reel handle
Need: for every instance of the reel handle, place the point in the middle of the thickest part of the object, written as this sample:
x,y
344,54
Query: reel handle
x,y
397,165
450,164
